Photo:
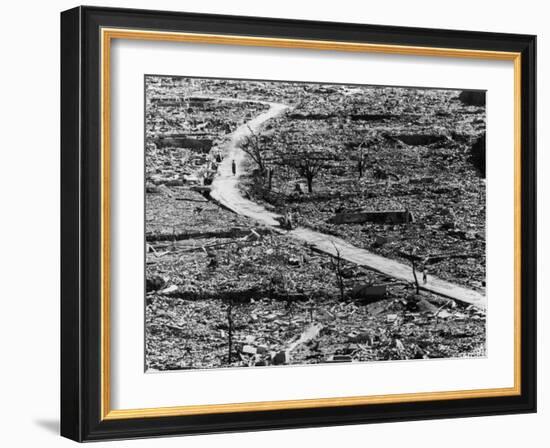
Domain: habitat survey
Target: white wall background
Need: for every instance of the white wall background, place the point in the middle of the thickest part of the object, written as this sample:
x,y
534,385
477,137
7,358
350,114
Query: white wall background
x,y
29,220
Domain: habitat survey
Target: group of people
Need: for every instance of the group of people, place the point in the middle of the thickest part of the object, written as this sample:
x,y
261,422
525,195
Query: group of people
x,y
219,159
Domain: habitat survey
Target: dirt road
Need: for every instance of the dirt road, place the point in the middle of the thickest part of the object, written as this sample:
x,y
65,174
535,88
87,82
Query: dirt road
x,y
225,190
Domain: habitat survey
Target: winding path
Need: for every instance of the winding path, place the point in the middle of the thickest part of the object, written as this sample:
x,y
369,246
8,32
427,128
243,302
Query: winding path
x,y
225,190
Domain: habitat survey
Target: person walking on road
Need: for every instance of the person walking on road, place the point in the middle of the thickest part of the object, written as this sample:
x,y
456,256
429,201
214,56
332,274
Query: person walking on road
x,y
233,167
287,220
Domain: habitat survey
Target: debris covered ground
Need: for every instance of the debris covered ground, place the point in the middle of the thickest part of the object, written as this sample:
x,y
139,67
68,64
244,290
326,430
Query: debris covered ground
x,y
222,291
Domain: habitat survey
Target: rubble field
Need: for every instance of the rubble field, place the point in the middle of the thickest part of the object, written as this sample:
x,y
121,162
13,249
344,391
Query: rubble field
x,y
417,157
273,292
222,291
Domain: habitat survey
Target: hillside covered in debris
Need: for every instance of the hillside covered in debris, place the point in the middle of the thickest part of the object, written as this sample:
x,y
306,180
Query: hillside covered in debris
x,y
395,171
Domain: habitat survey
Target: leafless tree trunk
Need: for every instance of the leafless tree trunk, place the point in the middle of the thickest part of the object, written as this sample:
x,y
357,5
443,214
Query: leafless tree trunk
x,y
289,307
252,145
309,179
414,275
270,178
361,160
337,266
307,161
229,330
309,168
311,309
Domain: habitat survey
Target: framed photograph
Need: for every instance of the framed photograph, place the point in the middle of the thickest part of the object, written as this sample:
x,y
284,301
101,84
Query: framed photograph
x,y
276,224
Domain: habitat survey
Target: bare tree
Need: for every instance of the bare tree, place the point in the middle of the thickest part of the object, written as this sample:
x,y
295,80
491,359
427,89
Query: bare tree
x,y
414,275
308,163
311,308
309,168
412,257
253,145
361,151
269,178
230,306
336,262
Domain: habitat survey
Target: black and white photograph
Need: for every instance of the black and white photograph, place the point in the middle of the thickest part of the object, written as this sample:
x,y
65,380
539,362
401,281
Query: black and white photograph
x,y
272,224
305,223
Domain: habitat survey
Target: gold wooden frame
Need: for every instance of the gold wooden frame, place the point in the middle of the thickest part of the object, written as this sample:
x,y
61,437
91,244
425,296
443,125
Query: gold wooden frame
x,y
107,35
